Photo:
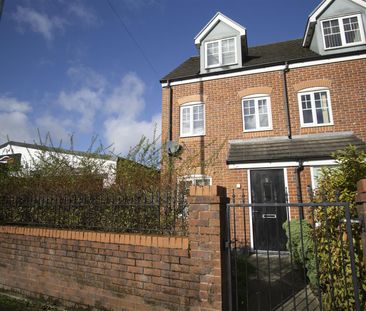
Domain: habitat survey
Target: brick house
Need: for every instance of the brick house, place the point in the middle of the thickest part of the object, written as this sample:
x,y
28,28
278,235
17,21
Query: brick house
x,y
280,109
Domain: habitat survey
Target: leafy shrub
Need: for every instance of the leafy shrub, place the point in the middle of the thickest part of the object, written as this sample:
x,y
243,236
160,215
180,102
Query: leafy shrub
x,y
333,252
303,253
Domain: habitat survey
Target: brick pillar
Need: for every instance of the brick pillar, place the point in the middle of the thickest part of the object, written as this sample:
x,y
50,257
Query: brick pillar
x,y
361,209
205,238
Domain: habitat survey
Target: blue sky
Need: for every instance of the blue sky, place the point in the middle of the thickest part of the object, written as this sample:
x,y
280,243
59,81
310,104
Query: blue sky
x,y
69,67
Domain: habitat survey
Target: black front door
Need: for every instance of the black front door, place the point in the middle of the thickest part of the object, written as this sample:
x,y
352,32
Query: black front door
x,y
268,186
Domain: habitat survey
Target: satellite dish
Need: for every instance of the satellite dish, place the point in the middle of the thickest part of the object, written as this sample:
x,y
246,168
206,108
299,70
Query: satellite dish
x,y
172,147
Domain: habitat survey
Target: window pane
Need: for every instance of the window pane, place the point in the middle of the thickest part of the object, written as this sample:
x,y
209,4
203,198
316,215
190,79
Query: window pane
x,y
198,124
212,53
351,29
332,35
186,120
228,51
263,120
249,123
262,106
308,116
322,109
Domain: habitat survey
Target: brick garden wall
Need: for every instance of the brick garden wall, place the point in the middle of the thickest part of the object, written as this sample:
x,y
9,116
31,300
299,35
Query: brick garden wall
x,y
120,271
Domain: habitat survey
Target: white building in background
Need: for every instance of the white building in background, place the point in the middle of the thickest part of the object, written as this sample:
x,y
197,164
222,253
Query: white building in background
x,y
27,155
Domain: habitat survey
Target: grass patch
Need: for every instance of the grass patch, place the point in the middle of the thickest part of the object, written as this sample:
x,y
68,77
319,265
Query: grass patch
x,y
15,302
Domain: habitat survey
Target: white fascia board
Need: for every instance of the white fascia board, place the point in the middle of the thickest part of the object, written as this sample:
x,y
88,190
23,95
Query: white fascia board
x,y
267,69
213,22
281,164
320,162
263,165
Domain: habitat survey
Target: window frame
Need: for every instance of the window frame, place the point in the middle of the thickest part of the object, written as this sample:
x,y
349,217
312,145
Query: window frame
x,y
313,168
257,97
220,64
311,91
342,31
191,105
194,177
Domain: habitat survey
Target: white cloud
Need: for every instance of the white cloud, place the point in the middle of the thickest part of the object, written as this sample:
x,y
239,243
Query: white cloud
x,y
57,128
38,22
86,102
14,119
47,24
127,98
86,14
11,104
125,133
84,76
120,107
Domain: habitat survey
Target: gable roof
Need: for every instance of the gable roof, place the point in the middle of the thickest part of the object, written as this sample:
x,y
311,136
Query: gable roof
x,y
304,147
219,17
309,30
258,56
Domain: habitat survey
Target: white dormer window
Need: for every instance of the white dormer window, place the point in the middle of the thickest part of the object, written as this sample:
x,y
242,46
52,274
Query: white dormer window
x,y
343,31
221,53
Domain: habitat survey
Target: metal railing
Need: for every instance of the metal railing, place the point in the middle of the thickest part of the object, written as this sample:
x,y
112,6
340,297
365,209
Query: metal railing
x,y
154,213
296,263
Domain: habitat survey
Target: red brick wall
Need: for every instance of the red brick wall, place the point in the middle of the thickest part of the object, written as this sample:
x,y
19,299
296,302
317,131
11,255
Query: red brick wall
x,y
120,271
346,81
222,97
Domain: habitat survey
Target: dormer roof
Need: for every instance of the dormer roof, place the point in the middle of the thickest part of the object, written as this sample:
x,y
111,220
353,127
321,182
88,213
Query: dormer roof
x,y
310,26
219,17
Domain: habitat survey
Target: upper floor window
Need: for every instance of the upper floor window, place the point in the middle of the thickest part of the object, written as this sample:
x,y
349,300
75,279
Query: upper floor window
x,y
315,108
192,119
343,31
256,113
221,52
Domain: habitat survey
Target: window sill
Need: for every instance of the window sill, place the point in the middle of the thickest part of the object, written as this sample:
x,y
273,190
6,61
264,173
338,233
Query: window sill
x,y
316,125
188,136
344,46
220,66
259,130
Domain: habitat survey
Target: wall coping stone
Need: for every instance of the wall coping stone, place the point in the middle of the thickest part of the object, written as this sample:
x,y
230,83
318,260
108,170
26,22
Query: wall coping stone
x,y
175,242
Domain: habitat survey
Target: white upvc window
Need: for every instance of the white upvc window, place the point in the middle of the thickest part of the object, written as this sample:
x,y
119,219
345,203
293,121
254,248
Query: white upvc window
x,y
316,172
315,107
221,52
196,180
343,31
192,119
256,111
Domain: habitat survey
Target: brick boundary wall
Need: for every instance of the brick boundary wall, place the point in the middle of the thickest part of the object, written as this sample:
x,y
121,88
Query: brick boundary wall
x,y
121,271
361,209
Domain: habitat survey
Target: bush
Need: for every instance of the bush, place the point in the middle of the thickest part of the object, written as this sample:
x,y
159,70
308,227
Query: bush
x,y
333,252
302,253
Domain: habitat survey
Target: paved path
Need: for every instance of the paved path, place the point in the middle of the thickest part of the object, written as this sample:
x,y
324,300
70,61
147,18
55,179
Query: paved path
x,y
274,282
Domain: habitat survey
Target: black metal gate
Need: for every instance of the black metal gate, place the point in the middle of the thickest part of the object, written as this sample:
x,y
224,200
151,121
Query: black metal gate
x,y
319,258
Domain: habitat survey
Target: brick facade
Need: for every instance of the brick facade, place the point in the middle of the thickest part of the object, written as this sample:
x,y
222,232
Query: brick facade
x,y
120,271
223,114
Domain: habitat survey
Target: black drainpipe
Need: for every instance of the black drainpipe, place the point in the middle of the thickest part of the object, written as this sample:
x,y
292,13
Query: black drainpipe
x,y
170,129
298,171
170,99
285,96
